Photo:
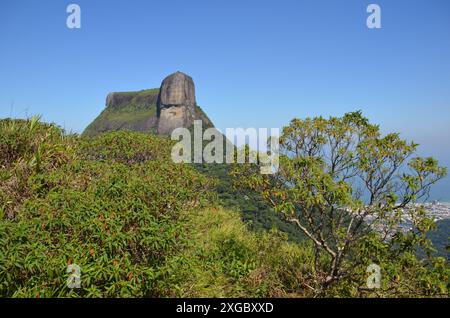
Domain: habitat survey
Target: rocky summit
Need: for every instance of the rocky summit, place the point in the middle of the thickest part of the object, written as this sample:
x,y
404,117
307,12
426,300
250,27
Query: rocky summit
x,y
176,103
156,111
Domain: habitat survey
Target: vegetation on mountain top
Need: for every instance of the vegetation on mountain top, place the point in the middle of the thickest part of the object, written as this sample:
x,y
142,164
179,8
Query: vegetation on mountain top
x,y
133,111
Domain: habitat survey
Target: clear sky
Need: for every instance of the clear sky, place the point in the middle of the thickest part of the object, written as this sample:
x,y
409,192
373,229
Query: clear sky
x,y
255,63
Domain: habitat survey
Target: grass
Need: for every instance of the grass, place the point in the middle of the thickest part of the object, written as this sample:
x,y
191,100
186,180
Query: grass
x,y
226,259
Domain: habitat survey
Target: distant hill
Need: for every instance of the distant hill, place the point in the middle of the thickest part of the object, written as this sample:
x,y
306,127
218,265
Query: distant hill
x,y
441,238
156,111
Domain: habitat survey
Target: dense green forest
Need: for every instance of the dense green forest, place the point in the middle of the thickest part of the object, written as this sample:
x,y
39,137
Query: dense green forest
x,y
441,238
139,225
256,213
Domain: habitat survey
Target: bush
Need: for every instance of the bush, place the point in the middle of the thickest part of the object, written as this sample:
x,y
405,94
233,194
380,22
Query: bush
x,y
118,216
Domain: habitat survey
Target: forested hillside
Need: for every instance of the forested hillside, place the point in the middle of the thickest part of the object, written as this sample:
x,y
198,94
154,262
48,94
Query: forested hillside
x,y
138,225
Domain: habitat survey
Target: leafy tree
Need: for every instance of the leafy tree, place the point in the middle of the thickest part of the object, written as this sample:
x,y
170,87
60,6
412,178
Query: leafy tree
x,y
345,185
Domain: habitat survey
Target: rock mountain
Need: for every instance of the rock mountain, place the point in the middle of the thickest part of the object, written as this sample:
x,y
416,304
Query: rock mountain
x,y
157,111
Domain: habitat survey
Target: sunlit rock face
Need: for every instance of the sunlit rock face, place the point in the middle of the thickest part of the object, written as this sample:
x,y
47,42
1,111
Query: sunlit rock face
x,y
176,103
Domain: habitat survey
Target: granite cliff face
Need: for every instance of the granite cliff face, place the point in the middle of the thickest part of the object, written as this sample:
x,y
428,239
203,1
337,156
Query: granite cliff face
x,y
156,111
176,103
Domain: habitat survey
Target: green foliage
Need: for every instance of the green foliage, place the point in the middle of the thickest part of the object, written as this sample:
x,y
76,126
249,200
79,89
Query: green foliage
x,y
225,259
28,149
136,224
342,183
254,211
440,238
125,147
133,112
118,216
139,225
200,114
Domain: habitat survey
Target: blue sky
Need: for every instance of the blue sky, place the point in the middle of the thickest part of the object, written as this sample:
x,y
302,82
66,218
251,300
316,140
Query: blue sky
x,y
255,63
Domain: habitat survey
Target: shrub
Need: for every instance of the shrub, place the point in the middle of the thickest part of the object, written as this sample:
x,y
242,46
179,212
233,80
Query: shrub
x,y
118,217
